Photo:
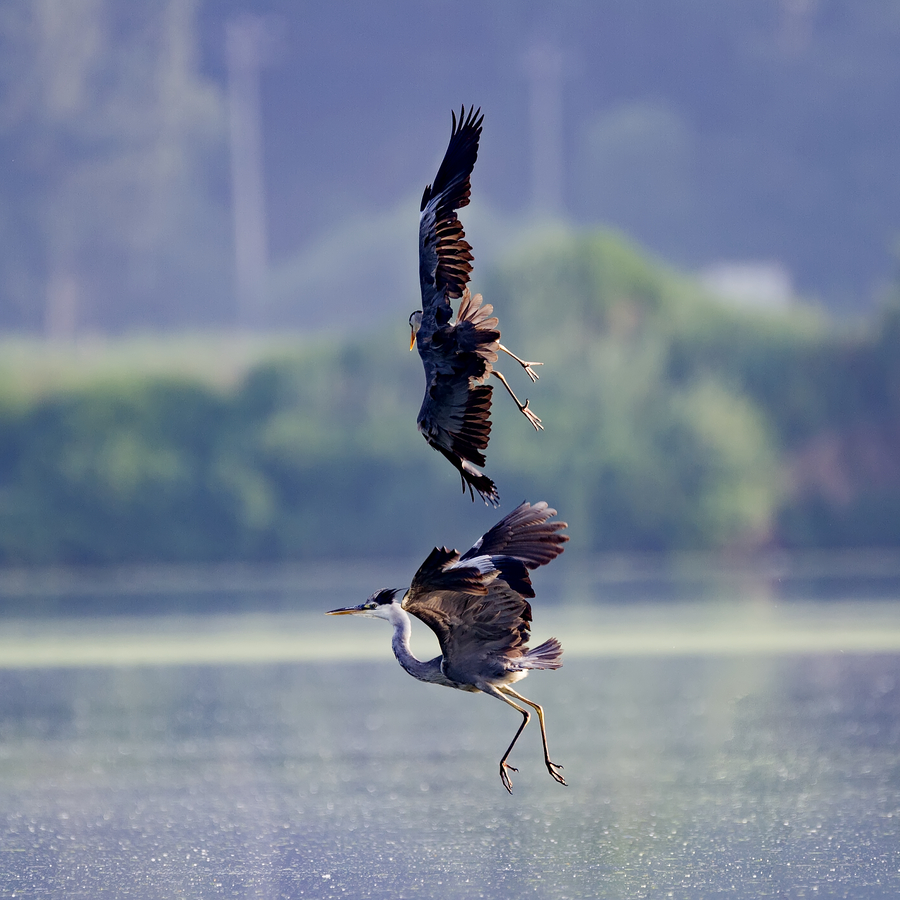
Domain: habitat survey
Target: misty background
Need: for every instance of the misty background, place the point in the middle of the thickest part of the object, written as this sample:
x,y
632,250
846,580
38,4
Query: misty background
x,y
758,133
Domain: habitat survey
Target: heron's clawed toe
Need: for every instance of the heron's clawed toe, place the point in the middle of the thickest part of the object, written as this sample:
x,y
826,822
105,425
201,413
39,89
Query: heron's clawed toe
x,y
531,417
507,781
530,372
552,768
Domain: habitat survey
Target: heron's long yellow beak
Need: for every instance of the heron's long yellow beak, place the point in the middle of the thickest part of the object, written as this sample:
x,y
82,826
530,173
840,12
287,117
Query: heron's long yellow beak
x,y
347,611
412,338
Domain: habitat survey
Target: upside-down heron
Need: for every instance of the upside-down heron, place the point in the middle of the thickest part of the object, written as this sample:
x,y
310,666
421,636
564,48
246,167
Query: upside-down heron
x,y
477,606
459,355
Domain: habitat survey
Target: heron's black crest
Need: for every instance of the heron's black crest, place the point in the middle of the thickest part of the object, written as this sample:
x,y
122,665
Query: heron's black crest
x,y
386,595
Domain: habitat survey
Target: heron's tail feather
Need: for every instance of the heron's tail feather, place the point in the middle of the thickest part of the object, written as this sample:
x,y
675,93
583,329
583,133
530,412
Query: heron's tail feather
x,y
547,656
477,333
475,311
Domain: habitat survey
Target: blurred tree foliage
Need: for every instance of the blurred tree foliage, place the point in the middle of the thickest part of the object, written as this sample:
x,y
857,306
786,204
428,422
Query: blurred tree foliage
x,y
672,422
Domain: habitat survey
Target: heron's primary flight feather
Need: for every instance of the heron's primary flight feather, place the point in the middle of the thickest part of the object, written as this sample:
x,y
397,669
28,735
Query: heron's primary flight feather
x,y
526,533
445,256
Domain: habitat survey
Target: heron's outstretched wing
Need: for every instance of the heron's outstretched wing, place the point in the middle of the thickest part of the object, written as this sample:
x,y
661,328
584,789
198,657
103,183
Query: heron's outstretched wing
x,y
476,604
441,589
445,256
526,533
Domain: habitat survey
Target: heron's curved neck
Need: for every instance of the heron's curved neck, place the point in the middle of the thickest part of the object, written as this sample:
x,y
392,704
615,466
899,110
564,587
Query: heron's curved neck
x,y
424,671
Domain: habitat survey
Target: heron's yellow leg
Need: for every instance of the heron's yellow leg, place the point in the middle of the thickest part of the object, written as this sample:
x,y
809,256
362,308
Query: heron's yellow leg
x,y
505,767
525,365
551,766
523,407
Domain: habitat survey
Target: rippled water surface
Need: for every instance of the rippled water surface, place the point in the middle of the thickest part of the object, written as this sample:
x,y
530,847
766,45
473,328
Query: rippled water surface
x,y
693,772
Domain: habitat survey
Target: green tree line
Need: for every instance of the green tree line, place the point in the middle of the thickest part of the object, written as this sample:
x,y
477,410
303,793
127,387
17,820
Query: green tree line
x,y
672,422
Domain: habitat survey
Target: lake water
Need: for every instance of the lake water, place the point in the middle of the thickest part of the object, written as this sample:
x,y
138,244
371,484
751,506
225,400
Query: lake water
x,y
723,734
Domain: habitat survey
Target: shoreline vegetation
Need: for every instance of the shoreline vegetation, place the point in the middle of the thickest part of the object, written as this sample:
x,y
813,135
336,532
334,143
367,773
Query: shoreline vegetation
x,y
674,422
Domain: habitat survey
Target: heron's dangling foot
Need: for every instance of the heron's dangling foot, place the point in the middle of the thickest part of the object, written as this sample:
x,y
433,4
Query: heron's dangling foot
x,y
532,417
552,769
507,781
523,407
525,365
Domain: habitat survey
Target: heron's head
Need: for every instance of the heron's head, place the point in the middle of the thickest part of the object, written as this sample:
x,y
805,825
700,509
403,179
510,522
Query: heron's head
x,y
415,323
378,606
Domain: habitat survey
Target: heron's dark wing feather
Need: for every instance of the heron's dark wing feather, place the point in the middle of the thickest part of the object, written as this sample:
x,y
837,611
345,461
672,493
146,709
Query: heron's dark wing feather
x,y
491,631
476,336
457,417
526,534
441,572
445,256
479,633
440,589
490,620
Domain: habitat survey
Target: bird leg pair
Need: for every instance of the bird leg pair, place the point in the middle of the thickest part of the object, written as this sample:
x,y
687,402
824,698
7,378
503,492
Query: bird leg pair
x,y
523,407
504,693
525,365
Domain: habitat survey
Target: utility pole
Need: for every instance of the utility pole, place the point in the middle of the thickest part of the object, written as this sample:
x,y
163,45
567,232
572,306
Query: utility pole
x,y
61,310
245,40
545,69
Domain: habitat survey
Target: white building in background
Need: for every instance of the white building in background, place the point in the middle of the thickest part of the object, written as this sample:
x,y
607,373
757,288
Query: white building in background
x,y
767,285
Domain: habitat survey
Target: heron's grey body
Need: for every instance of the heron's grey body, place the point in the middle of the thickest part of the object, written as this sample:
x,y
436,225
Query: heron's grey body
x,y
458,356
476,603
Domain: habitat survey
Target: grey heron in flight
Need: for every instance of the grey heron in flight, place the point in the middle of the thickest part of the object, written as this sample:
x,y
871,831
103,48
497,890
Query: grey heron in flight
x,y
476,603
459,355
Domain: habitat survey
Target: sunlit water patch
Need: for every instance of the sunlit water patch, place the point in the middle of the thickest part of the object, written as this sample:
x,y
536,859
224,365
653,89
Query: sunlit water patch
x,y
687,778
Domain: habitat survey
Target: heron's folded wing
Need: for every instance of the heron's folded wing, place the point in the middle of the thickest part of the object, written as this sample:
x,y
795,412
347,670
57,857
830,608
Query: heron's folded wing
x,y
456,416
471,608
485,632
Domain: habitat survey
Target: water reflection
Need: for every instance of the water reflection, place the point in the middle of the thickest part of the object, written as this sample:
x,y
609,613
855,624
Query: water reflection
x,y
690,777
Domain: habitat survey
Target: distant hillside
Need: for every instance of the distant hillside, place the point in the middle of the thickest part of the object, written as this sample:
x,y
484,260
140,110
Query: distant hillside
x,y
795,418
